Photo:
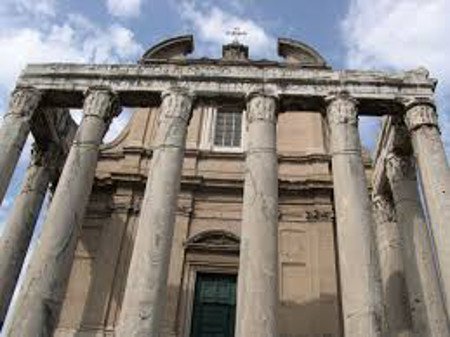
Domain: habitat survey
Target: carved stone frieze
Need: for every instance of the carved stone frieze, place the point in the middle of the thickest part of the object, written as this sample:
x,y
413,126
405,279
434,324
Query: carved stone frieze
x,y
342,109
420,114
24,101
399,167
176,103
261,106
383,209
102,103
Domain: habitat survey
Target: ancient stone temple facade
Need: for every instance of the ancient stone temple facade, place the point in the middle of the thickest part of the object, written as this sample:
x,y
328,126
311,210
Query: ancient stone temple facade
x,y
236,202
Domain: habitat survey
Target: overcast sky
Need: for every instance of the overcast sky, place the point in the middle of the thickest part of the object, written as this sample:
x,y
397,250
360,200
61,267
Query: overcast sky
x,y
363,34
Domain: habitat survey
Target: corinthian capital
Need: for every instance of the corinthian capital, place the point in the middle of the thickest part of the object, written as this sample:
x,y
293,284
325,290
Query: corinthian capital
x,y
261,106
102,103
420,113
399,167
176,103
342,109
24,101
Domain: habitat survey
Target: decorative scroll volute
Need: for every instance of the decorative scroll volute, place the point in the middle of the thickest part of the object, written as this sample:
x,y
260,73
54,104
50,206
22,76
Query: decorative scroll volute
x,y
419,114
102,103
342,109
261,106
24,101
176,103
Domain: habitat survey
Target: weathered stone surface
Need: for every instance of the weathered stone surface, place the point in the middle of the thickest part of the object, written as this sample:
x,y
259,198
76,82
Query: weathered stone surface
x,y
146,287
39,300
357,263
14,131
420,119
257,306
425,299
393,279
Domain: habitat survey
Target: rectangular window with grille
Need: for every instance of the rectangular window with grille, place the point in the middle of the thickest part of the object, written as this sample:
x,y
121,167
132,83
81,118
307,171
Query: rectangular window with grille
x,y
228,128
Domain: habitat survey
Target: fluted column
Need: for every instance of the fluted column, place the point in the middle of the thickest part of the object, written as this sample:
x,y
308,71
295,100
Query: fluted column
x,y
146,289
257,298
19,227
425,300
39,301
14,131
357,261
421,120
390,250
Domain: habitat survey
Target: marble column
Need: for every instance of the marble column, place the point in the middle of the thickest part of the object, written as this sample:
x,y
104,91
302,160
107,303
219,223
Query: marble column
x,y
390,250
361,298
19,227
37,308
257,296
421,120
146,289
14,131
425,300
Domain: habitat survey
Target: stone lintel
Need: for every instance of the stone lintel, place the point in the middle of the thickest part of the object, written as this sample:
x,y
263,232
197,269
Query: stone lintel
x,y
138,85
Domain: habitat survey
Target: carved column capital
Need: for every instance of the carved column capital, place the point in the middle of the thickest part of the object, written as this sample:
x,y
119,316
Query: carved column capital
x,y
261,106
176,103
399,167
101,102
342,109
383,208
24,101
420,112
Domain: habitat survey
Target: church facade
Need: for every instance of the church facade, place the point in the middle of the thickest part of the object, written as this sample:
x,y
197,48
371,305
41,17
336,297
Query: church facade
x,y
236,202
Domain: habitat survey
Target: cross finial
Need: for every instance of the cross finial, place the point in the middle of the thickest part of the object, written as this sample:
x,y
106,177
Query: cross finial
x,y
236,32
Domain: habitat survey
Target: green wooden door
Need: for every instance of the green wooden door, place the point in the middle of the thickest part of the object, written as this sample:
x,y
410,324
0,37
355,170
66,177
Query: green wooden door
x,y
214,305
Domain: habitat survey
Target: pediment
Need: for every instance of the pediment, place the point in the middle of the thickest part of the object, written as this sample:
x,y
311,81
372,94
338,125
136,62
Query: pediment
x,y
174,48
299,53
214,240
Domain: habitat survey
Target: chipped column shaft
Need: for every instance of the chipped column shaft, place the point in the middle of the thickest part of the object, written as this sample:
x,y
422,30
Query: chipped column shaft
x,y
425,300
257,302
357,261
15,130
40,297
20,226
421,120
390,250
146,288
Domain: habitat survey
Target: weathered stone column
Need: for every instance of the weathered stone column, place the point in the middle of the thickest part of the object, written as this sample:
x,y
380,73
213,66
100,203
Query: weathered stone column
x,y
15,130
390,250
425,300
146,289
20,226
421,120
39,301
357,259
257,298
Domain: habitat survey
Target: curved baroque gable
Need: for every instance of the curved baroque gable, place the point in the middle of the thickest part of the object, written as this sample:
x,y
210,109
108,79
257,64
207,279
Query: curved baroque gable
x,y
297,52
214,240
174,48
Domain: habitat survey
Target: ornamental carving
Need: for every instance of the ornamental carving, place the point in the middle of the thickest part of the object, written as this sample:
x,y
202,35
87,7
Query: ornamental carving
x,y
342,109
101,103
176,103
261,107
24,101
399,167
419,115
383,209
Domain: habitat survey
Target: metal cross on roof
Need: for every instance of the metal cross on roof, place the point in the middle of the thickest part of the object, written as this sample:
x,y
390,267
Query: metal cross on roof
x,y
236,32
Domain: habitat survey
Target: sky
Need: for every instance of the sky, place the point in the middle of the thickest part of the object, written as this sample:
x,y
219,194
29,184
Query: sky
x,y
359,34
